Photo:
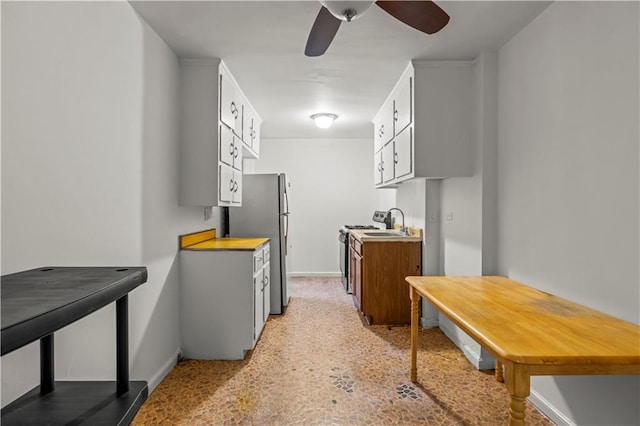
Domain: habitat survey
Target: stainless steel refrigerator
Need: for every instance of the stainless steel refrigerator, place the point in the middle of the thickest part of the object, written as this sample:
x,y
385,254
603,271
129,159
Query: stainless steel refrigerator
x,y
265,213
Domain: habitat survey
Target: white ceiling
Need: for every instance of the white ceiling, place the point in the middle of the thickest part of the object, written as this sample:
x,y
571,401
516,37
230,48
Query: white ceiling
x,y
262,43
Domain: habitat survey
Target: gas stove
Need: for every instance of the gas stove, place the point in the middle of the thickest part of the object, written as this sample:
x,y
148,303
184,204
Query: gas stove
x,y
345,229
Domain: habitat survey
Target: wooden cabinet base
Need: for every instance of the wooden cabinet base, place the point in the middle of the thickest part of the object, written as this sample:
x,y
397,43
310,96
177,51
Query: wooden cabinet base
x,y
385,265
78,402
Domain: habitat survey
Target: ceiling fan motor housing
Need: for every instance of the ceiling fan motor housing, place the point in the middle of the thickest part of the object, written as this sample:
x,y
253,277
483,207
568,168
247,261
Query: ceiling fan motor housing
x,y
347,10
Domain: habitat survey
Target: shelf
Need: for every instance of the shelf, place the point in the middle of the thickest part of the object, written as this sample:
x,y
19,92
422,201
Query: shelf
x,y
73,403
37,303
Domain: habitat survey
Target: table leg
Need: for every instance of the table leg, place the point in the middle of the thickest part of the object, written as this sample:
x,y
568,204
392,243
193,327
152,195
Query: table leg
x,y
122,345
499,373
47,365
415,299
518,383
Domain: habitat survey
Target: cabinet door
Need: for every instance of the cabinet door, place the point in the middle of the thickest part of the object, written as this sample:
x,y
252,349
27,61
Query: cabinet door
x,y
230,149
247,125
229,185
403,156
230,106
357,279
255,137
258,305
386,122
237,190
387,162
377,168
377,133
267,291
403,111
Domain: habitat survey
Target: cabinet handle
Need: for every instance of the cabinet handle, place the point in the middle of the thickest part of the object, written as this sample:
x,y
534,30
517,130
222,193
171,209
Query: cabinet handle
x,y
395,115
235,152
381,132
395,157
235,186
231,182
231,148
234,110
379,167
382,165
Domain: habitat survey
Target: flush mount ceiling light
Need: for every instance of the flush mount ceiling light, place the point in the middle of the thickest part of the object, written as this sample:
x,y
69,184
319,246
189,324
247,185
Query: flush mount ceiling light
x,y
323,120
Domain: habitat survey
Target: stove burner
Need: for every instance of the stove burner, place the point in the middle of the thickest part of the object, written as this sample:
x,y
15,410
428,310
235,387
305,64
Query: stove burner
x,y
359,227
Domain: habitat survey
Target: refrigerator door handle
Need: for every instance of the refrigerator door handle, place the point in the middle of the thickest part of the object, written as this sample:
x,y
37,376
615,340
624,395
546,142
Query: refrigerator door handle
x,y
286,233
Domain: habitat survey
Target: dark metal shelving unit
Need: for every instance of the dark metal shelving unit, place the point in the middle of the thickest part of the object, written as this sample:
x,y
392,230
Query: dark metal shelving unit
x,y
38,302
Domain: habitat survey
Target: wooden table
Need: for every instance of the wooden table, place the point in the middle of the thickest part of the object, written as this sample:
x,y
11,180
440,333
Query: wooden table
x,y
529,332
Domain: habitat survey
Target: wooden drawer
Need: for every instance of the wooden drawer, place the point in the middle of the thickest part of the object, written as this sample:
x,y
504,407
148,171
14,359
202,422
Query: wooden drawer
x,y
357,246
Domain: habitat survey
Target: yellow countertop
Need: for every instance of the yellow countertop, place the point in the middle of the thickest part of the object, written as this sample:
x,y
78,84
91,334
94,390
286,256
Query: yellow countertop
x,y
206,240
228,244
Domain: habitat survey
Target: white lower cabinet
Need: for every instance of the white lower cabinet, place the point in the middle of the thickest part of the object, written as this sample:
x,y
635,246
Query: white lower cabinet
x,y
224,301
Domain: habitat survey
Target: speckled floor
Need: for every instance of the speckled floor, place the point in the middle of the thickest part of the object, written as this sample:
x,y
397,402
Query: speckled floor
x,y
319,365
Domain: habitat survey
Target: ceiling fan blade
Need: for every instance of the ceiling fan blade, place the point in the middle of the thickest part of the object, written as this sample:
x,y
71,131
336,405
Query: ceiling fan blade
x,y
322,33
424,16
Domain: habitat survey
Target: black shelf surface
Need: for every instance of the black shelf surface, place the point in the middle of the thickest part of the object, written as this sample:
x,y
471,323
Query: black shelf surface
x,y
76,403
37,302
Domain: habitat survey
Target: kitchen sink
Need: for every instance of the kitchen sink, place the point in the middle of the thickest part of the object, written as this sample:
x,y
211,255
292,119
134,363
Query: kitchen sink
x,y
384,234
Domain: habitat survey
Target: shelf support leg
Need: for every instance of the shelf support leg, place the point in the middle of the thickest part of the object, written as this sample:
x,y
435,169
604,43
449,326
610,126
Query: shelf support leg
x,y
47,368
122,345
415,309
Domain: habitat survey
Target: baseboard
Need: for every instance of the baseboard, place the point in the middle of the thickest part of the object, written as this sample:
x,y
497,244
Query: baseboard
x,y
316,274
429,322
155,380
549,410
482,360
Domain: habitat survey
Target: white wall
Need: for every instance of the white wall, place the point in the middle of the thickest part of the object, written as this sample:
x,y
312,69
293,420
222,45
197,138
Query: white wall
x,y
468,205
568,173
89,175
331,186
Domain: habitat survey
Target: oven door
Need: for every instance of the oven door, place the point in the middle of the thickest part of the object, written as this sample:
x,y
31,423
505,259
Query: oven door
x,y
343,240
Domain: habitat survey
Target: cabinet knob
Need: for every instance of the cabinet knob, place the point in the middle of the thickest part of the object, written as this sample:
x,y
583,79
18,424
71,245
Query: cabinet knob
x,y
234,110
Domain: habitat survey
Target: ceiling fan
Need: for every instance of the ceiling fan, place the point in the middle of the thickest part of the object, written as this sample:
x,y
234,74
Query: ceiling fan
x,y
423,15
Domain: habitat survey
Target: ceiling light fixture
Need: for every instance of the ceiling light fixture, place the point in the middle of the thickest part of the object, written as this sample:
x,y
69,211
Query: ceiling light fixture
x,y
323,120
347,10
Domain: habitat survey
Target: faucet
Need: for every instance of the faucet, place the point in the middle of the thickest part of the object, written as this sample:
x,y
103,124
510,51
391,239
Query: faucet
x,y
403,230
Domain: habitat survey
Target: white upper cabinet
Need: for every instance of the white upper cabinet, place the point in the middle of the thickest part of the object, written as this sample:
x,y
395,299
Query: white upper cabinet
x,y
403,104
431,110
388,172
250,131
230,102
402,145
383,126
212,145
230,148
